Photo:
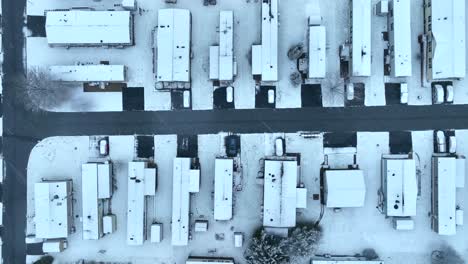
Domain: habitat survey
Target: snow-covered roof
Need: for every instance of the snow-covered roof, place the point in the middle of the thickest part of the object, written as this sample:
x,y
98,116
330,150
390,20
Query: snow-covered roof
x,y
223,189
85,27
400,38
269,47
88,73
156,233
279,196
52,202
104,180
173,45
361,38
444,192
181,201
448,39
317,52
400,186
138,184
226,45
344,188
202,260
92,207
347,262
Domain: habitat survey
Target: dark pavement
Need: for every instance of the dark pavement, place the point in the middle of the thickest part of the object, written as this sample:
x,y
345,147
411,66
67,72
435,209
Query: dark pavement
x,y
22,130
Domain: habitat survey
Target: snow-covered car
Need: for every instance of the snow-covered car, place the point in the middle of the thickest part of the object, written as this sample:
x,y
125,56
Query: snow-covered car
x,y
449,96
279,147
350,91
229,94
452,144
186,99
271,96
438,94
104,147
404,93
440,140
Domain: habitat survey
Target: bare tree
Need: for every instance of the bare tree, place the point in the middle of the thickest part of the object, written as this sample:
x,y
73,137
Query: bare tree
x,y
37,90
333,88
295,78
296,51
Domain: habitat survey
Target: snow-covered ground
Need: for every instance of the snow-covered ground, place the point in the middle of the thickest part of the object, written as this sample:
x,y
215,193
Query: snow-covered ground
x,y
345,232
293,30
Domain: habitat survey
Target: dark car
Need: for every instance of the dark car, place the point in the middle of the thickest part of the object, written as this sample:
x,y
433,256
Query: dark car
x,y
232,144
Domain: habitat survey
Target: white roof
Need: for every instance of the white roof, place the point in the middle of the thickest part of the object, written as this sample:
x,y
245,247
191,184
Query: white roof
x,y
84,27
344,188
226,46
448,33
256,59
361,38
109,224
400,38
317,52
461,172
180,201
173,45
223,189
347,262
444,203
138,185
104,180
92,207
214,62
209,260
279,196
52,201
401,186
88,73
269,46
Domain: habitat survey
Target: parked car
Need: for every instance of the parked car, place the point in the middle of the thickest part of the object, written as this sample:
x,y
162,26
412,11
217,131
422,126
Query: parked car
x,y
452,144
438,94
279,147
232,144
271,96
229,94
186,99
440,140
404,93
104,147
350,91
449,96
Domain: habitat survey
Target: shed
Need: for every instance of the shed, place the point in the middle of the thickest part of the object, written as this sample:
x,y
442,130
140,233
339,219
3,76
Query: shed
x,y
344,188
156,233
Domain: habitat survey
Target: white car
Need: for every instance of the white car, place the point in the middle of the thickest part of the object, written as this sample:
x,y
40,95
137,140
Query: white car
x,y
229,94
438,94
271,96
103,147
404,93
186,98
279,147
350,91
452,144
449,94
441,144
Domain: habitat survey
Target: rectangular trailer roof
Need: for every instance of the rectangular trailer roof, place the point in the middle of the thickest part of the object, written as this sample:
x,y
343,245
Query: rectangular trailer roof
x,y
86,27
173,45
52,209
361,38
88,73
449,36
223,189
400,38
317,52
279,196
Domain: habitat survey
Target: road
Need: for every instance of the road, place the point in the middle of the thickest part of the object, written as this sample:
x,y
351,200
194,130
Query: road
x,y
22,129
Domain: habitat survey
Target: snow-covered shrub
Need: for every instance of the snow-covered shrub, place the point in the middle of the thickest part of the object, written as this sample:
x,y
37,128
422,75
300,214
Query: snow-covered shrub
x,y
446,255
